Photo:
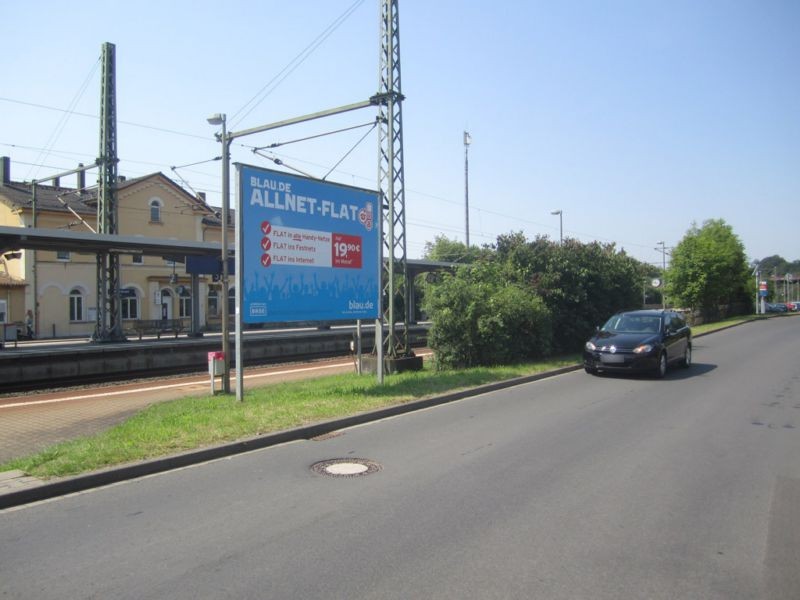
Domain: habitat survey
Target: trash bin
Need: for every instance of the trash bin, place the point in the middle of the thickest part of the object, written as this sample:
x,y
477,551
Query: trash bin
x,y
216,367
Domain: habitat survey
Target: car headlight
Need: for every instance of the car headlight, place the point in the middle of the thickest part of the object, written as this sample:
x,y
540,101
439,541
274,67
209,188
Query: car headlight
x,y
590,347
643,349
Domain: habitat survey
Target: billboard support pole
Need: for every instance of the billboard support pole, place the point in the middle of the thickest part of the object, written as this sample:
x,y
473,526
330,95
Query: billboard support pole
x,y
358,346
239,278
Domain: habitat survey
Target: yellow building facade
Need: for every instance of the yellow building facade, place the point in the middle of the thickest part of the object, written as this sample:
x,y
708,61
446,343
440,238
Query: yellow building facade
x,y
60,288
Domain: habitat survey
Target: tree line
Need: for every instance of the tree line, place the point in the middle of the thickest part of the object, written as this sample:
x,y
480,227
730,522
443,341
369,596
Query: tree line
x,y
521,299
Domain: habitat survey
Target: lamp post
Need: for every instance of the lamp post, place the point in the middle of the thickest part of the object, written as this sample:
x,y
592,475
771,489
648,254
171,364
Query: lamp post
x,y
467,142
663,250
560,214
220,119
757,274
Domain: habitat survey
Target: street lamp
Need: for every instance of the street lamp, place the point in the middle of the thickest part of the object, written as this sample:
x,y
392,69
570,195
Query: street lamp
x,y
663,250
560,214
220,119
467,142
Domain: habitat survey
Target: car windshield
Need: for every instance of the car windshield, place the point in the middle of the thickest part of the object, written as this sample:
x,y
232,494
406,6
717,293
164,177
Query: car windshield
x,y
633,324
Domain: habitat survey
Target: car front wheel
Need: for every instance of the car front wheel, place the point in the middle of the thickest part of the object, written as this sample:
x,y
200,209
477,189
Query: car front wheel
x,y
687,358
661,369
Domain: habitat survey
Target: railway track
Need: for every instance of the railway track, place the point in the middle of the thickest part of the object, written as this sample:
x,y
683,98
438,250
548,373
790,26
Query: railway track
x,y
35,366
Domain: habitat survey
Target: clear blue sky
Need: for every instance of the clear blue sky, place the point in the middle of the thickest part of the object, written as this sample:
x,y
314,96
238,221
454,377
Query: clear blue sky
x,y
637,118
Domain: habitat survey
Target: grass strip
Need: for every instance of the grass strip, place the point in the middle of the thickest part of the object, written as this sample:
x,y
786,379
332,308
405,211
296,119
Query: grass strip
x,y
725,323
195,422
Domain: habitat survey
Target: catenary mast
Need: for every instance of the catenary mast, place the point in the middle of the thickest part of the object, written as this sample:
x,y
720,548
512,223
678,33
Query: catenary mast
x,y
107,326
391,183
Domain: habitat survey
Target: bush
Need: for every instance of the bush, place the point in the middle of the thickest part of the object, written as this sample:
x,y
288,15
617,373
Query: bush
x,y
480,318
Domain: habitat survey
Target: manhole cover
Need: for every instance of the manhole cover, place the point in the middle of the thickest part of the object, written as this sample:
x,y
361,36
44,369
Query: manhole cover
x,y
346,467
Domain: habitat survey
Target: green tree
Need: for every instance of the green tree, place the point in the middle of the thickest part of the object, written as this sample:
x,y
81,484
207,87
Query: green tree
x,y
709,268
446,250
584,284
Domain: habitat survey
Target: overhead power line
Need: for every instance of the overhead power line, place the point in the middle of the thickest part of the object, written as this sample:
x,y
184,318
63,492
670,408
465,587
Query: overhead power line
x,y
293,64
62,123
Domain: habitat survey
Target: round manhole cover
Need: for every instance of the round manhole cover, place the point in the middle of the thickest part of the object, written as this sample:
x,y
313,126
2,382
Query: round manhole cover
x,y
346,467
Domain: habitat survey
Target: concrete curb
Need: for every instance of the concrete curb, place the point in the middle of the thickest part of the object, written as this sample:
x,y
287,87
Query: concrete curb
x,y
96,479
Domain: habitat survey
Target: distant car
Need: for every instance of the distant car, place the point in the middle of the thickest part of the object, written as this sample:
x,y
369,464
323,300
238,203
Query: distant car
x,y
639,341
776,307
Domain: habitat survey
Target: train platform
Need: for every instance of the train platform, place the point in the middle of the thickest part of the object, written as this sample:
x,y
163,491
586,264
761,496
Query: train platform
x,y
74,362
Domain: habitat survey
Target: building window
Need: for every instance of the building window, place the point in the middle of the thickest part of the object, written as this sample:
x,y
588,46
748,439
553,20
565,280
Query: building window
x,y
76,305
155,210
137,259
166,304
213,303
185,302
129,303
62,255
3,311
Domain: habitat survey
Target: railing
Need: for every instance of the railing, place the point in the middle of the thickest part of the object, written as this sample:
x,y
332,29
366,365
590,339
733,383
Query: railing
x,y
158,326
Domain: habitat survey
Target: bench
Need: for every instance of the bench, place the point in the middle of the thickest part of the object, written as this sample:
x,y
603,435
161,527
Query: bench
x,y
158,326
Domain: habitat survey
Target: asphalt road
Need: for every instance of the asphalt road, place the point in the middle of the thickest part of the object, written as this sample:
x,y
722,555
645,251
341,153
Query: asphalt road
x,y
571,487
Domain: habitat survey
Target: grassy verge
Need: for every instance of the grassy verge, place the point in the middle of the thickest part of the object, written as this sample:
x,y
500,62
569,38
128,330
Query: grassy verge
x,y
709,327
195,422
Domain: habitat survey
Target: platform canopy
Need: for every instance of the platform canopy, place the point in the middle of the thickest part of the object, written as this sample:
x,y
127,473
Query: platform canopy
x,y
26,238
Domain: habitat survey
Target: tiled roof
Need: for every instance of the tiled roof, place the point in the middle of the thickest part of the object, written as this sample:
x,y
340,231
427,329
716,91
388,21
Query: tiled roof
x,y
19,196
6,281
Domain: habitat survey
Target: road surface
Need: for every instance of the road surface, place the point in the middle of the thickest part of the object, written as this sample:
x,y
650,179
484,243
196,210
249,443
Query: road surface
x,y
566,488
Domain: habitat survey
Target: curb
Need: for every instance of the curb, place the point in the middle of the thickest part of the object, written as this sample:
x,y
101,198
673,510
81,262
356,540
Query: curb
x,y
80,483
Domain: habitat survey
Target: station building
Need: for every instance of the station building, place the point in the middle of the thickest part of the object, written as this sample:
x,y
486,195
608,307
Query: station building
x,y
59,287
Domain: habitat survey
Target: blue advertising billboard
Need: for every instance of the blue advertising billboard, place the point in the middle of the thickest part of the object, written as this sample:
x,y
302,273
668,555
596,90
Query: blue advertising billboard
x,y
309,248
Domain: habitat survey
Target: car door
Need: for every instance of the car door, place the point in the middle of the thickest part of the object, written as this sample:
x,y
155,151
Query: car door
x,y
676,340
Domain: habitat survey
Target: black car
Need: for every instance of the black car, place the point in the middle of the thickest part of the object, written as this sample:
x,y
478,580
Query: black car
x,y
639,341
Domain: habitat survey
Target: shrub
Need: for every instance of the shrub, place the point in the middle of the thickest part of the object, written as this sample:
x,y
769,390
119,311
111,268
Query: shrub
x,y
480,318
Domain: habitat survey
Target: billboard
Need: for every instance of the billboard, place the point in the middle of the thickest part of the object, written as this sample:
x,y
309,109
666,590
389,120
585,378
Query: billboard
x,y
309,248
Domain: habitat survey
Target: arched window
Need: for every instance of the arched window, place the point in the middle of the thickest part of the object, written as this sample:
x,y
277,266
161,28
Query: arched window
x,y
129,303
155,210
75,305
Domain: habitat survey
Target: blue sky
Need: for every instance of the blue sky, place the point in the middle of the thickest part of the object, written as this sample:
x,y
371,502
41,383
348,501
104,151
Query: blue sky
x,y
636,118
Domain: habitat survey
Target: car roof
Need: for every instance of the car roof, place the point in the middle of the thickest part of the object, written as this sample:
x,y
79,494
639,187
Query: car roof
x,y
646,313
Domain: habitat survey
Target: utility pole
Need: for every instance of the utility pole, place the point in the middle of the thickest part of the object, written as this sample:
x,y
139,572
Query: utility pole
x,y
467,142
107,325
